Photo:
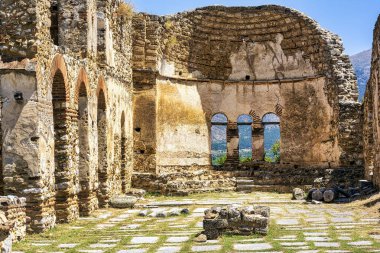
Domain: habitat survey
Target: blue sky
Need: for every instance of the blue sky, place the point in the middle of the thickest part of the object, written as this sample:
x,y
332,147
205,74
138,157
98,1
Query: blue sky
x,y
352,20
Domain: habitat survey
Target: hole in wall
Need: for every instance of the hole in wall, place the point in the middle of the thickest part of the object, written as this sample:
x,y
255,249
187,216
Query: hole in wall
x,y
138,129
34,138
247,77
142,151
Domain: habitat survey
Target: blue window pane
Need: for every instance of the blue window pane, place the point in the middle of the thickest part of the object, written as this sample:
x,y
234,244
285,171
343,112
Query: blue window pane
x,y
218,145
245,143
219,118
245,119
272,142
271,118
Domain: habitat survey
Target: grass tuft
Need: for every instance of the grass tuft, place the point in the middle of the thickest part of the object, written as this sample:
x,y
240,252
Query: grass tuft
x,y
125,10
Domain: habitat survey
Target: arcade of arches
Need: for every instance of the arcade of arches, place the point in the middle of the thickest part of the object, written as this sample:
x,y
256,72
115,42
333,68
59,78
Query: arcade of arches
x,y
99,103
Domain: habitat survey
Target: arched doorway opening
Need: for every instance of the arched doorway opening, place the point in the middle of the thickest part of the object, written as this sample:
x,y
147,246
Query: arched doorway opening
x,y
84,151
123,155
219,124
62,121
272,137
102,150
244,124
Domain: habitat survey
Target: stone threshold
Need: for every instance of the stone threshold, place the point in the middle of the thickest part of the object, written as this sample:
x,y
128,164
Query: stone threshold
x,y
221,202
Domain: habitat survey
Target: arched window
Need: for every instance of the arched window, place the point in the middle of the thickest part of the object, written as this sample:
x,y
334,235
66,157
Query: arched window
x,y
54,21
271,123
244,123
219,139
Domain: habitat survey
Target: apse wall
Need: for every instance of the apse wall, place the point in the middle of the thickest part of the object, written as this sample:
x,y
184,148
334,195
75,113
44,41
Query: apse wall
x,y
302,66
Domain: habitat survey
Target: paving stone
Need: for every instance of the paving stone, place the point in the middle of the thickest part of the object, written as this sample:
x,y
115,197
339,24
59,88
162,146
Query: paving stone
x,y
315,233
133,251
360,243
41,244
337,251
131,226
200,210
206,248
253,240
169,249
177,239
287,244
67,245
144,240
252,247
344,238
327,244
110,241
102,245
317,239
376,237
91,251
287,222
342,219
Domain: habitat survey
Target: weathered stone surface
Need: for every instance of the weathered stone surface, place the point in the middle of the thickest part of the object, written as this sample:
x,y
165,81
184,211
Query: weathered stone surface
x,y
237,220
66,145
123,201
371,112
173,56
298,194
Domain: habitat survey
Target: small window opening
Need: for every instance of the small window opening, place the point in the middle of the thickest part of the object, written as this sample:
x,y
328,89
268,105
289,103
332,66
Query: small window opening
x,y
247,77
219,139
54,22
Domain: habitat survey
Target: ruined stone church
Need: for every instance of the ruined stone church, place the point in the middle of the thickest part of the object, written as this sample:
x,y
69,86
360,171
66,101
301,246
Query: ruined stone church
x,y
96,99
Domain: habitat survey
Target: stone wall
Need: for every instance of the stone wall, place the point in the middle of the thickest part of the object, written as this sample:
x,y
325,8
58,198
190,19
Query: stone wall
x,y
144,121
185,108
13,208
371,132
45,141
18,38
246,60
12,221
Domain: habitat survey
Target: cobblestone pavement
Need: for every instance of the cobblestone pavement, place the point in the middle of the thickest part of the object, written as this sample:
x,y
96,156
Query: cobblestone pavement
x,y
295,227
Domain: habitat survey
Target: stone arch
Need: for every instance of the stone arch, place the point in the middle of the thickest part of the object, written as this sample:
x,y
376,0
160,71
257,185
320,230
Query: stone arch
x,y
102,126
65,199
82,83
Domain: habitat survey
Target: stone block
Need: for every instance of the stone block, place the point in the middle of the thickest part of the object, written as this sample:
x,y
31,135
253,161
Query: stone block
x,y
123,202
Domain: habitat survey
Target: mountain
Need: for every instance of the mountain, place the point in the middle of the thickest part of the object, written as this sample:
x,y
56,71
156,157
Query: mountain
x,y
362,66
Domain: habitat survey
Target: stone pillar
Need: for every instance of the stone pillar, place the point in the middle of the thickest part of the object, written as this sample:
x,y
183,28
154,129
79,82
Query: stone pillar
x,y
257,142
77,26
232,145
66,180
144,121
1,151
